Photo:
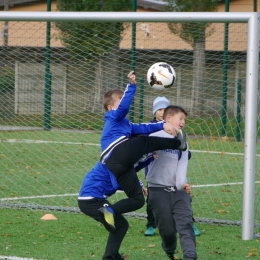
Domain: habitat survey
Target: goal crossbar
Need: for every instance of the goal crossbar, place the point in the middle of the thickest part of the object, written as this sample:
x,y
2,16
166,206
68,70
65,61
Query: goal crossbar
x,y
217,17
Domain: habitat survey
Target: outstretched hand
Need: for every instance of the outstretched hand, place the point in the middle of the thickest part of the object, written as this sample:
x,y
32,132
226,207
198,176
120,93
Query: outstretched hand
x,y
187,188
170,129
132,78
145,191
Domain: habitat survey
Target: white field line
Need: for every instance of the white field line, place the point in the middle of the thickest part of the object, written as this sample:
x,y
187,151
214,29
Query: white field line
x,y
119,191
219,184
216,152
16,258
39,197
78,143
26,141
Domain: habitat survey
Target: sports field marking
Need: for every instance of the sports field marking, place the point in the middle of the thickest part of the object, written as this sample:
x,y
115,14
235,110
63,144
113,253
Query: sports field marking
x,y
78,143
220,184
216,152
26,141
119,191
38,197
15,258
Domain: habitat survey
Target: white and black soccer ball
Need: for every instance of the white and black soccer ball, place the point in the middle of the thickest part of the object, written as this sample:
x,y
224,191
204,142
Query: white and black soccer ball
x,y
161,75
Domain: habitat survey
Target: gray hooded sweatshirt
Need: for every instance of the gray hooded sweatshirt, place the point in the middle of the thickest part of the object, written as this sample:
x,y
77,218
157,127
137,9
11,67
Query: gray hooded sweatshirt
x,y
168,170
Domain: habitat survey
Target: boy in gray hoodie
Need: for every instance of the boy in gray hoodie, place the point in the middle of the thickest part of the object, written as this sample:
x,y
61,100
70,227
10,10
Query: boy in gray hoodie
x,y
159,105
169,193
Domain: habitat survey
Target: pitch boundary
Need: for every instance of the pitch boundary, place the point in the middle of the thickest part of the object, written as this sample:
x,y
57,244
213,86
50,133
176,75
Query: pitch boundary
x,y
16,258
76,194
93,144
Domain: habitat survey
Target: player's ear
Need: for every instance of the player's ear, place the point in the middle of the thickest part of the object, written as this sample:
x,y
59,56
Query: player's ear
x,y
167,117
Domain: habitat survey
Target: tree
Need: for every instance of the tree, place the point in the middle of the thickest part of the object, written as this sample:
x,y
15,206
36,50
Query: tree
x,y
7,78
96,42
90,39
195,35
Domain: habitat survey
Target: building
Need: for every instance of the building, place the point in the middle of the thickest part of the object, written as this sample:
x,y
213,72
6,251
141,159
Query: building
x,y
147,34
25,42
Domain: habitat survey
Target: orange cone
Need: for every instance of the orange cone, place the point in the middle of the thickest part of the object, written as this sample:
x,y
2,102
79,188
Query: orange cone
x,y
48,217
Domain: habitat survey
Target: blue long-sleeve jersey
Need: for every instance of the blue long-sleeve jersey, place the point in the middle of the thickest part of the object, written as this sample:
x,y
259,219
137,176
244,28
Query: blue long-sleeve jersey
x,y
98,183
118,128
101,183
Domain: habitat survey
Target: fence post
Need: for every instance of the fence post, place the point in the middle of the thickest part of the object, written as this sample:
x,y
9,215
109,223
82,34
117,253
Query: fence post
x,y
47,98
141,108
132,108
238,116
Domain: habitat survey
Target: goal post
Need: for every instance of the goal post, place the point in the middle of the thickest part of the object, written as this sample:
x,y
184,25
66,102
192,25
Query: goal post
x,y
252,64
250,126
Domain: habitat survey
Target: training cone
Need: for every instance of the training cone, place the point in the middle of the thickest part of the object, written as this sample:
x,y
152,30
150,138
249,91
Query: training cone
x,y
48,217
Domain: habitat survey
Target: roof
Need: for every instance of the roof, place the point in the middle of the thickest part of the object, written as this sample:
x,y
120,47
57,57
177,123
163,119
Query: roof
x,y
146,4
152,4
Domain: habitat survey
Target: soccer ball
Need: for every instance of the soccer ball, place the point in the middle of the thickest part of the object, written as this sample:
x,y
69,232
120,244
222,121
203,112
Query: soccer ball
x,y
161,75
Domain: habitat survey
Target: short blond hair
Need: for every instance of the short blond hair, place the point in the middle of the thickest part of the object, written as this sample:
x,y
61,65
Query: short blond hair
x,y
110,97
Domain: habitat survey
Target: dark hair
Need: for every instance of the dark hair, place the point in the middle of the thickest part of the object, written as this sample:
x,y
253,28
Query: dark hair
x,y
109,97
172,110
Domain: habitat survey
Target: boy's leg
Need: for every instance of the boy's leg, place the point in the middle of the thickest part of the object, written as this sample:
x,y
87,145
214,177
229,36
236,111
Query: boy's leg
x,y
121,162
126,154
150,225
114,240
90,208
130,184
163,218
150,217
182,214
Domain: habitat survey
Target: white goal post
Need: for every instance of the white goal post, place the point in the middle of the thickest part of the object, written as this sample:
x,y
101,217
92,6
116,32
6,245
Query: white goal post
x,y
252,19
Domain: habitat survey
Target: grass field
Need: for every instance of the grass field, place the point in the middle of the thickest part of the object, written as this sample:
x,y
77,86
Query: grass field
x,y
75,236
44,170
206,126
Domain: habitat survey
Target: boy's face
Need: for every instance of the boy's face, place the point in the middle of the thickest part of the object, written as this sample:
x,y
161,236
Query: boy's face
x,y
159,114
177,120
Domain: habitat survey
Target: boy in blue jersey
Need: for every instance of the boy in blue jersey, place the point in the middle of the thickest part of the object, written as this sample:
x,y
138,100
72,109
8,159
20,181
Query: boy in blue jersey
x,y
123,144
97,186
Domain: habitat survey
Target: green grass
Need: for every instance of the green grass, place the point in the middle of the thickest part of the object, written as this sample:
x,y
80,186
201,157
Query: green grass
x,y
57,167
57,135
76,236
79,121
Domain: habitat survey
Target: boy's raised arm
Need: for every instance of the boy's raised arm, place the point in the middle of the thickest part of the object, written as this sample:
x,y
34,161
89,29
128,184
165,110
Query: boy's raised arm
x,y
132,78
125,103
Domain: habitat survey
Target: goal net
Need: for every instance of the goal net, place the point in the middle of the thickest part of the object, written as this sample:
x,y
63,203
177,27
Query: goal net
x,y
56,67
